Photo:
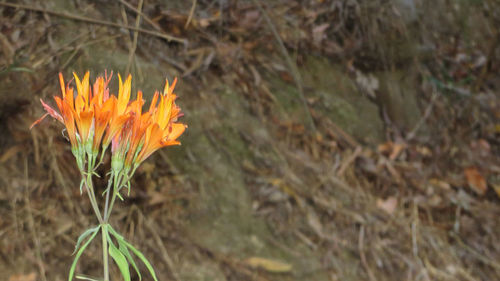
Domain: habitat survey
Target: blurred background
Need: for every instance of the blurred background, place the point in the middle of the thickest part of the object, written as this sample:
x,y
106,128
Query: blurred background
x,y
327,140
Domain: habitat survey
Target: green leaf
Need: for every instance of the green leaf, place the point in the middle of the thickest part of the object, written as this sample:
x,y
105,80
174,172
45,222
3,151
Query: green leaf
x,y
83,236
143,259
135,251
81,186
123,248
119,259
79,253
86,277
119,195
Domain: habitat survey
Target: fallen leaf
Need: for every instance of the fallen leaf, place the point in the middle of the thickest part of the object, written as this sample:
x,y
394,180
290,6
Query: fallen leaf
x,y
318,33
315,223
481,147
368,83
268,264
424,151
496,187
22,277
475,180
385,148
434,201
396,150
440,184
389,205
393,150
11,152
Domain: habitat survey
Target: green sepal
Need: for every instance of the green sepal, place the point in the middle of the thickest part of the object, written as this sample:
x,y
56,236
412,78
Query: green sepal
x,y
79,253
135,251
83,236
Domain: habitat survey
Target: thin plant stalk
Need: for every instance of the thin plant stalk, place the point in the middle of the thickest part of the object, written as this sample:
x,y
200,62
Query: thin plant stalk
x,y
105,235
116,185
91,194
105,253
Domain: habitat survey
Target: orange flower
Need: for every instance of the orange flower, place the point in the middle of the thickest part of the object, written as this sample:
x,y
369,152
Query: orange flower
x,y
65,106
163,131
96,118
102,116
140,124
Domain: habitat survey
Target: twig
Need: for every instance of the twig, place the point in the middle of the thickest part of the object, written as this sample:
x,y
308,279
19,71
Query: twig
x,y
362,254
349,161
95,21
474,252
60,178
291,65
163,250
136,35
191,12
31,223
144,16
426,115
491,53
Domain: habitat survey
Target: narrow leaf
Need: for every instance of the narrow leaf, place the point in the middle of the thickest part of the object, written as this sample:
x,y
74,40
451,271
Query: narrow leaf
x,y
119,195
123,248
78,254
119,259
86,277
81,186
136,252
143,259
83,236
269,264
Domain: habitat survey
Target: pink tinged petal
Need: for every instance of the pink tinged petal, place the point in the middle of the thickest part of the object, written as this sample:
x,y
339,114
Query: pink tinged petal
x,y
38,121
52,112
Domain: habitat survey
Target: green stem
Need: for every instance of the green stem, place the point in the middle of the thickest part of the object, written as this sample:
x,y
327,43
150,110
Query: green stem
x,y
95,206
116,185
106,205
105,256
105,252
93,201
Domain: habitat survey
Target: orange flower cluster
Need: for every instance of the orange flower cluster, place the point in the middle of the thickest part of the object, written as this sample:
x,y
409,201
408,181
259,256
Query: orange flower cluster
x,y
94,119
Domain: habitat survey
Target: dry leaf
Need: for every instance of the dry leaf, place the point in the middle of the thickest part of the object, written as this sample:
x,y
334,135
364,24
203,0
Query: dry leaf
x,y
475,180
496,187
385,148
389,205
368,83
268,264
12,151
396,150
315,223
424,151
318,33
22,277
440,184
393,150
